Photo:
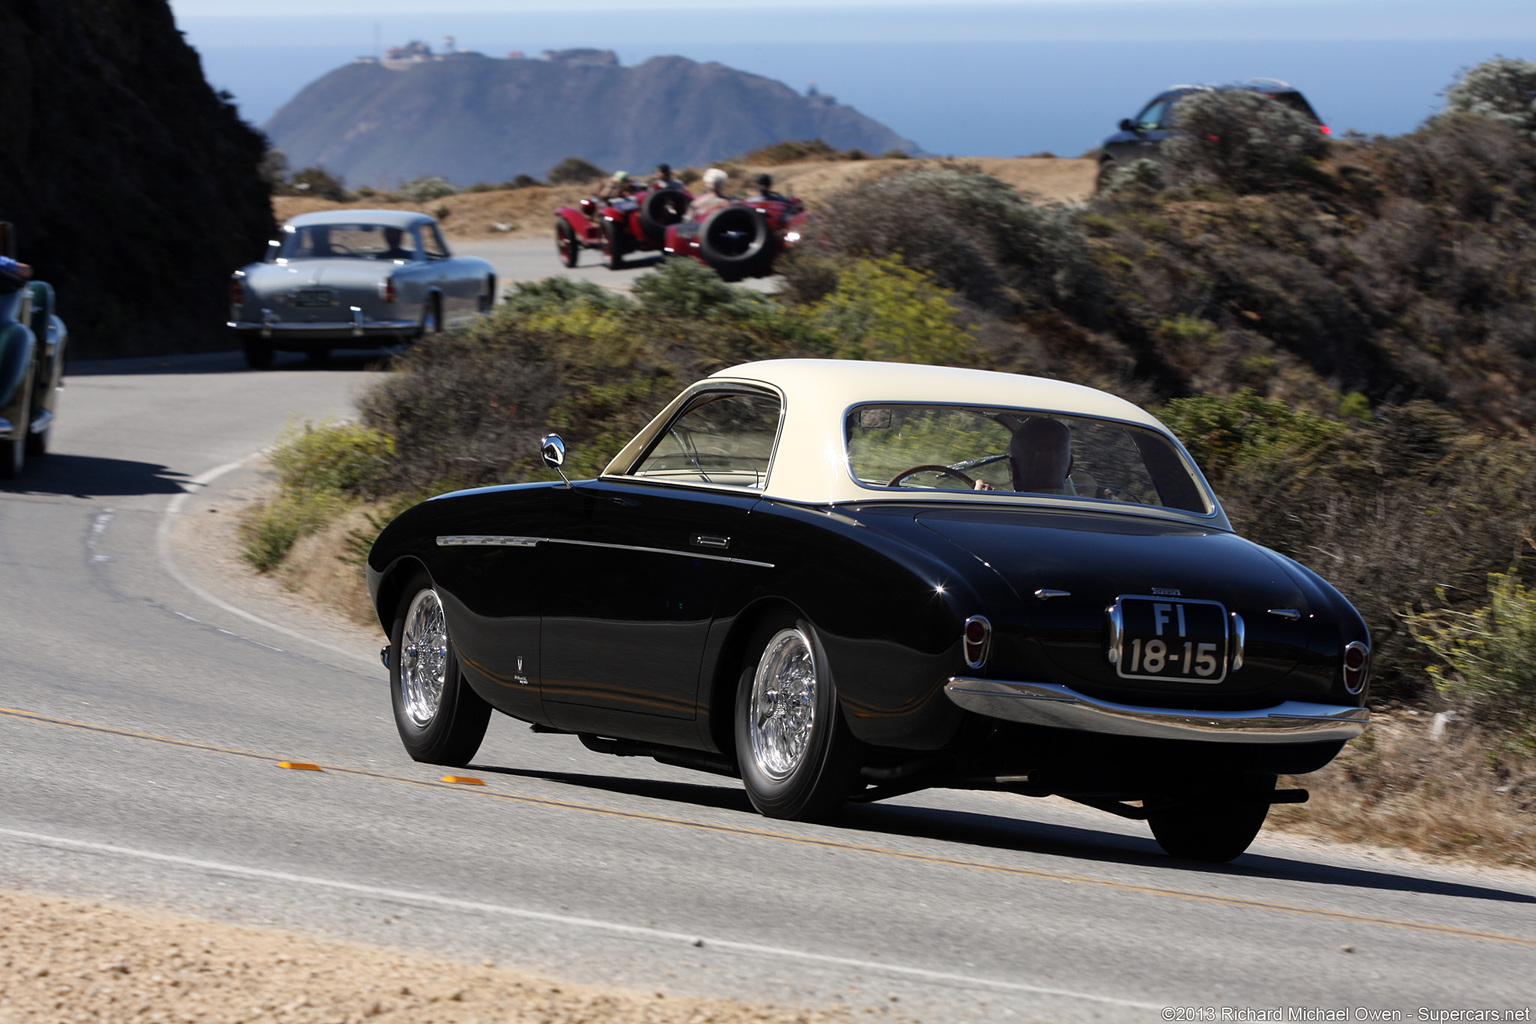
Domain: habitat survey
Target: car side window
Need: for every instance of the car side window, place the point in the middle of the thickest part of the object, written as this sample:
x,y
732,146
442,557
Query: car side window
x,y
432,242
1155,115
718,439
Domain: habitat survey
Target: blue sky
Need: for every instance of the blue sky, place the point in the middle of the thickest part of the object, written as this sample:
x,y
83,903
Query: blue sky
x,y
976,77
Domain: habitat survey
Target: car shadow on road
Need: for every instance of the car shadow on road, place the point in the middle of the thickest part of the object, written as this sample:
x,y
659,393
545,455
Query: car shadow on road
x,y
968,828
230,362
86,476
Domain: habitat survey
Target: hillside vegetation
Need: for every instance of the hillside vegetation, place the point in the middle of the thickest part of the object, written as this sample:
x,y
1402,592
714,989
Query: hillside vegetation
x,y
134,187
1344,338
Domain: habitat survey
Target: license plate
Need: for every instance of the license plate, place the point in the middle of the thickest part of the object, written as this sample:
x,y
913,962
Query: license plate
x,y
1172,639
314,297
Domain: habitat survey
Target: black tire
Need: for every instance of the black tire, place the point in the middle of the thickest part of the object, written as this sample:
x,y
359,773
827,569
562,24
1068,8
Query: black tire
x,y
1213,825
441,720
258,354
37,443
613,246
13,452
734,241
565,243
431,317
319,355
804,766
661,209
487,300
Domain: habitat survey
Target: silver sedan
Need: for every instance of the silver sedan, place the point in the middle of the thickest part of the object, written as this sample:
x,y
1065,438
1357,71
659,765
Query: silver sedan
x,y
354,278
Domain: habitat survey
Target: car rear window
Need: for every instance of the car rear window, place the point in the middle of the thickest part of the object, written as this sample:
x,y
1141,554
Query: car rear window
x,y
346,241
1019,451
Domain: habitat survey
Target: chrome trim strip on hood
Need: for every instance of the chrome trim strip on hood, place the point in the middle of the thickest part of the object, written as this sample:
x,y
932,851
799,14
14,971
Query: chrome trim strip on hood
x,y
1061,707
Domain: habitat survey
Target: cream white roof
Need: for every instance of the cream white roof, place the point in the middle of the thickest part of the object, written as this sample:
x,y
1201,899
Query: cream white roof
x,y
810,463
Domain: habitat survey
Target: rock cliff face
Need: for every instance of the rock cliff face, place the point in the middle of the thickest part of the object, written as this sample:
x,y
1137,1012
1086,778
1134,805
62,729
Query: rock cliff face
x,y
470,118
133,187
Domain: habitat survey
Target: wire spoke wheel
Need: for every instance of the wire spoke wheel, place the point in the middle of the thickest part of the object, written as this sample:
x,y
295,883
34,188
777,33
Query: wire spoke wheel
x,y
783,704
424,657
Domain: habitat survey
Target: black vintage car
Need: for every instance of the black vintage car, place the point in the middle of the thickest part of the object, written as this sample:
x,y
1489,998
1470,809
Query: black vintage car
x,y
32,339
850,580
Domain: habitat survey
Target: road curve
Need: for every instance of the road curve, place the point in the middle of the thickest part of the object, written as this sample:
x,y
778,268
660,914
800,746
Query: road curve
x,y
149,699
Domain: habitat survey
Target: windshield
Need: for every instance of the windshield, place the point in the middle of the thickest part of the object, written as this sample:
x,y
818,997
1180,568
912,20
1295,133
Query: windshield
x,y
347,241
1019,451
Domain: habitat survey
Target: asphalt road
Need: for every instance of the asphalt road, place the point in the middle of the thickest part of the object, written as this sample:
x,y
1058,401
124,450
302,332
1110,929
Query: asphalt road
x,y
147,698
532,259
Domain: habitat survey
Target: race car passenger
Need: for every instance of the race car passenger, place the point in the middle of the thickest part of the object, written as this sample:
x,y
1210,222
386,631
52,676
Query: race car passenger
x,y
712,198
664,178
765,189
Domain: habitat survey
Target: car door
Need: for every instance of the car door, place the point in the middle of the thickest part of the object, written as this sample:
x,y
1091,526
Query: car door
x,y
634,566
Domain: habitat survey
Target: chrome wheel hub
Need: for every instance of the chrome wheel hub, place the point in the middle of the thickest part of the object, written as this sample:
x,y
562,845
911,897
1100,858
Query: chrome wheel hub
x,y
783,704
423,657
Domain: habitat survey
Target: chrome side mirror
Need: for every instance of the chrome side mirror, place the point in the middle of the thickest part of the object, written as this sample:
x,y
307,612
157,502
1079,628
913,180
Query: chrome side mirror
x,y
553,451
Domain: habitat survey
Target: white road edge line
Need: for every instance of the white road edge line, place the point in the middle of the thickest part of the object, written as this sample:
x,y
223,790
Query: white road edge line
x,y
163,551
263,874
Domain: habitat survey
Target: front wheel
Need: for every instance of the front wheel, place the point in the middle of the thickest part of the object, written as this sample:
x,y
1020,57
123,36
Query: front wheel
x,y
440,719
13,452
1213,825
566,244
797,758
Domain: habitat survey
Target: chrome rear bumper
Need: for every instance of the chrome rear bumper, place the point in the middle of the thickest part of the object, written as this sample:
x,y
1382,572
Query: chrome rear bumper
x,y
1061,707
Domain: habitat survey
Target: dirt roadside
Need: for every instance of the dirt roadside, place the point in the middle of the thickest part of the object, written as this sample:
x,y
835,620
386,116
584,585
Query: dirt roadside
x,y
530,212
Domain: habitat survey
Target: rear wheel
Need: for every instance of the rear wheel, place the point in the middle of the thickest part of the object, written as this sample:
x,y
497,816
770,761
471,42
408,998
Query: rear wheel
x,y
258,354
440,719
1213,825
797,758
432,317
565,243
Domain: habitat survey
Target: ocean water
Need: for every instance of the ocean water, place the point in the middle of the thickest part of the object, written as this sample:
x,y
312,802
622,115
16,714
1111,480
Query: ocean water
x,y
1001,98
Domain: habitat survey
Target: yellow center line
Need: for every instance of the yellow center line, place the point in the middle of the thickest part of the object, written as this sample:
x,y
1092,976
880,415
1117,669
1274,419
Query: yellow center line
x,y
811,841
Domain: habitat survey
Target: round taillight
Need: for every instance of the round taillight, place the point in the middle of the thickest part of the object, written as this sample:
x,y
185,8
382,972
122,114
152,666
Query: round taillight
x,y
978,640
1357,666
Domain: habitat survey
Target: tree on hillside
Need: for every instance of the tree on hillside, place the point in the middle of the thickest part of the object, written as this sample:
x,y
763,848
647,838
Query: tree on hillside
x,y
1500,89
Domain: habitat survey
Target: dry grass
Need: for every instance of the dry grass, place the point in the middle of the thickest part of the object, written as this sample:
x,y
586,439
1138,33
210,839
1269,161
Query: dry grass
x,y
321,568
530,212
1458,795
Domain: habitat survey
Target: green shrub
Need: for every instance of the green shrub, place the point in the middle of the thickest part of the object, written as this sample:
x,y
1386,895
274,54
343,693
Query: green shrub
x,y
883,310
1500,89
1484,657
317,182
322,471
343,458
974,234
573,170
791,152
423,190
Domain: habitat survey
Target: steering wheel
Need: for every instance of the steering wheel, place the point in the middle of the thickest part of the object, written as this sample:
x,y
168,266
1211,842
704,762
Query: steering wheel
x,y
969,482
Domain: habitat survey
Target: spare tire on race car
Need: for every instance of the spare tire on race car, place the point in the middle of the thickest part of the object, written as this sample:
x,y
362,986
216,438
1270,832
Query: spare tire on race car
x,y
734,240
660,209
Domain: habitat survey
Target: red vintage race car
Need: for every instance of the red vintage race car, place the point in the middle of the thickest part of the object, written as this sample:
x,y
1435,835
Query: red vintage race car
x,y
740,240
620,226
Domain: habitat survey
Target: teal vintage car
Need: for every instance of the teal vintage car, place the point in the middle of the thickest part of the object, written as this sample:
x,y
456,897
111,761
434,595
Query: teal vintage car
x,y
32,339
